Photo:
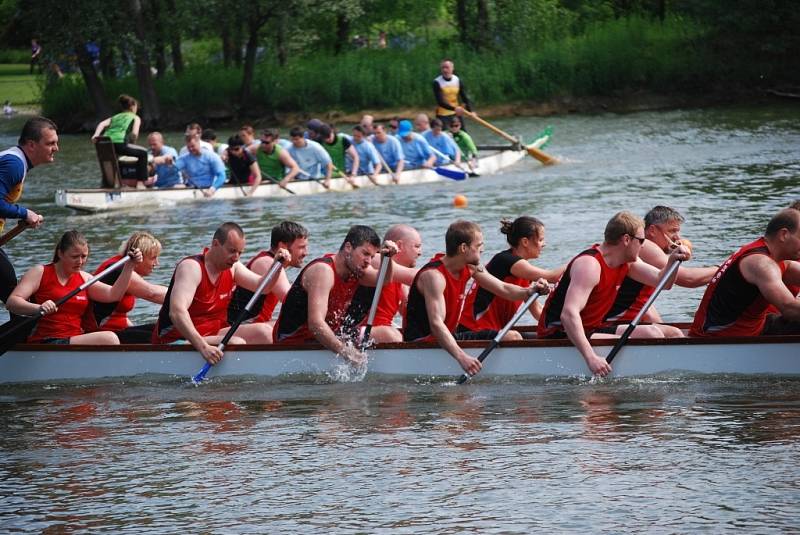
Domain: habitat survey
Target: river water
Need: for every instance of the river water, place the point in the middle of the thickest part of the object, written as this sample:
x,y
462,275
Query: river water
x,y
670,455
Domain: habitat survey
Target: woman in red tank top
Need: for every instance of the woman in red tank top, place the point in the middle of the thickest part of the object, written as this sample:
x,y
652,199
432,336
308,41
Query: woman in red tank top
x,y
45,284
485,311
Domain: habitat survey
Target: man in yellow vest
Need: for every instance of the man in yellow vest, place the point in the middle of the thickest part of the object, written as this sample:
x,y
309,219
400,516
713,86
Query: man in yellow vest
x,y
451,97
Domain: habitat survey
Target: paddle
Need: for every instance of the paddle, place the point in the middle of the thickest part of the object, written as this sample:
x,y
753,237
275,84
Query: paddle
x,y
373,309
320,181
388,169
451,161
278,182
499,336
13,233
642,312
273,270
533,151
8,341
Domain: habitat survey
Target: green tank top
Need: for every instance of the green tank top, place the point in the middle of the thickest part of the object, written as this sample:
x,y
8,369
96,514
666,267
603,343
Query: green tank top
x,y
120,124
336,152
270,164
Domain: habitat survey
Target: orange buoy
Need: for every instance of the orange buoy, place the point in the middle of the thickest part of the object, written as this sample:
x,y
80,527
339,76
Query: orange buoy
x,y
460,201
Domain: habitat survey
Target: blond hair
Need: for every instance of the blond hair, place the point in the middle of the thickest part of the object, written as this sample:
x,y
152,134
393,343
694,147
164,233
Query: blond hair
x,y
622,223
144,241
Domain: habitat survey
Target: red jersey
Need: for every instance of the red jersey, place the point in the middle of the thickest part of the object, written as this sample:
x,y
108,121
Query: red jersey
x,y
392,297
416,325
209,307
264,305
597,306
108,316
484,310
731,306
292,324
66,321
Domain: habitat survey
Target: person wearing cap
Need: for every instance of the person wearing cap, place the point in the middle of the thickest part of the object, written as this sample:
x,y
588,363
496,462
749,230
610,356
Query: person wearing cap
x,y
312,129
314,161
243,165
417,152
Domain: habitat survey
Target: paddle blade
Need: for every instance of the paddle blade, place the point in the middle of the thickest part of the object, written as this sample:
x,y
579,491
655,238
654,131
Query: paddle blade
x,y
543,157
450,173
201,375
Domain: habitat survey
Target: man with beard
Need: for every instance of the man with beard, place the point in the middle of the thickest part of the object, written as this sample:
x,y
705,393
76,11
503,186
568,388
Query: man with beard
x,y
316,305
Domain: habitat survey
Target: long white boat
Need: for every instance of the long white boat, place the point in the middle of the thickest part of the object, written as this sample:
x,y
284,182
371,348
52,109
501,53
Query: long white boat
x,y
106,199
779,355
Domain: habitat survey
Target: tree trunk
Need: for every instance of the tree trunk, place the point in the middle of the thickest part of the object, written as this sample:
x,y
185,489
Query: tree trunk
x,y
254,26
461,21
150,111
158,29
342,33
175,40
93,84
483,36
107,67
662,9
280,38
227,45
237,43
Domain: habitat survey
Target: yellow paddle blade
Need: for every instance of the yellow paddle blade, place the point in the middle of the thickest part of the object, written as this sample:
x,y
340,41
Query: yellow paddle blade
x,y
540,155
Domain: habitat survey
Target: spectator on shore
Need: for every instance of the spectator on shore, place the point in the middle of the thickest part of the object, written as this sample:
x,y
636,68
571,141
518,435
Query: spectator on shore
x,y
36,55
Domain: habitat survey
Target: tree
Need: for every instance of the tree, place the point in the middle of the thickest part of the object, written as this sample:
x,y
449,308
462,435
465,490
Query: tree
x,y
151,112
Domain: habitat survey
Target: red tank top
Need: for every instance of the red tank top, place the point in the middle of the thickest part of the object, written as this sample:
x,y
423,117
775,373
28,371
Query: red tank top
x,y
270,300
484,310
731,306
391,302
292,324
66,321
416,325
209,307
108,316
597,306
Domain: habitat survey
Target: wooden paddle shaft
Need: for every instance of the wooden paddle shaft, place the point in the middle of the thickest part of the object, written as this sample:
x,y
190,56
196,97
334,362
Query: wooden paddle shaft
x,y
13,233
533,151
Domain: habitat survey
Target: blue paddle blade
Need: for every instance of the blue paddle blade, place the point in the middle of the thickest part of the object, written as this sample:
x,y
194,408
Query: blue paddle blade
x,y
201,375
450,173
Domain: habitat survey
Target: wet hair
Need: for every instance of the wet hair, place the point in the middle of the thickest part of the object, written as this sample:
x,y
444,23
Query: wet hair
x,y
359,128
787,218
359,235
144,241
208,135
522,227
437,123
32,129
662,214
622,223
296,131
221,234
459,232
70,238
287,232
127,102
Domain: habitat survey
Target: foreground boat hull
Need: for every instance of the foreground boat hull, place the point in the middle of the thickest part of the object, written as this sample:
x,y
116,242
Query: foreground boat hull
x,y
42,363
102,200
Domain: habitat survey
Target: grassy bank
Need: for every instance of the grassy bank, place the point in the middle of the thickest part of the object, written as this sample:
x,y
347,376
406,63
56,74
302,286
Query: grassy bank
x,y
18,86
632,54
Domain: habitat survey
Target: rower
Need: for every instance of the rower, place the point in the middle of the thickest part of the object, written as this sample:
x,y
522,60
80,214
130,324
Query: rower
x,y
436,297
575,309
390,151
38,144
274,159
662,228
469,152
737,300
166,176
394,295
202,168
485,311
285,235
369,162
196,305
242,164
416,151
42,285
339,148
114,316
314,308
313,160
447,150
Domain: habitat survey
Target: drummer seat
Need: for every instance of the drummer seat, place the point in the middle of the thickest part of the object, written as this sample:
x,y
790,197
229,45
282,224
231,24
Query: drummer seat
x,y
113,168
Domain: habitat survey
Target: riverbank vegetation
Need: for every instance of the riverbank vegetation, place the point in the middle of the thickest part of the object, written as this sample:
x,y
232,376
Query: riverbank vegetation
x,y
295,56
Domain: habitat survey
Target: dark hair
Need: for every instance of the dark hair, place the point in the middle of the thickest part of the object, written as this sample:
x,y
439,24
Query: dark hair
x,y
787,218
459,232
127,102
32,129
271,133
69,239
522,227
221,234
296,131
662,214
287,232
359,128
360,234
235,141
247,128
437,123
208,135
324,131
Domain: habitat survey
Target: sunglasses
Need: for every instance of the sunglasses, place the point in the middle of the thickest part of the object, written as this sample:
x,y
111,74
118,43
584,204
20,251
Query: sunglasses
x,y
641,240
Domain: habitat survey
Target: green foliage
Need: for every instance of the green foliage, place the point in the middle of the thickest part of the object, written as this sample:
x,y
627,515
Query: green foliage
x,y
10,55
17,85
